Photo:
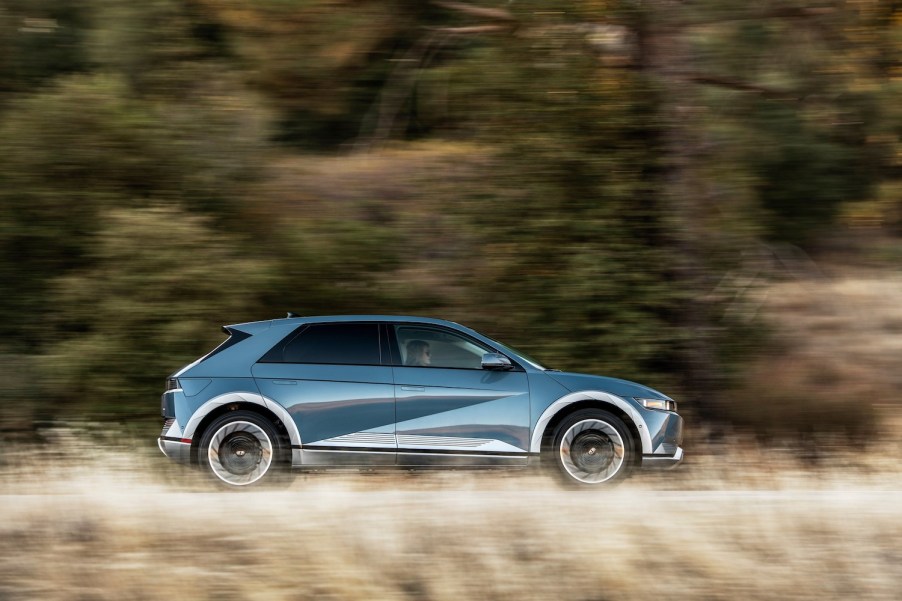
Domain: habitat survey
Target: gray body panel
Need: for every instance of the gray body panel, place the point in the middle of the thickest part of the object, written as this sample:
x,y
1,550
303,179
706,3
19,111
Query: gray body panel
x,y
485,413
330,400
392,415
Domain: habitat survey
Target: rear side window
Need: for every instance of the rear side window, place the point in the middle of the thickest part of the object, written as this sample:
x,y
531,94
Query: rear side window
x,y
235,336
340,343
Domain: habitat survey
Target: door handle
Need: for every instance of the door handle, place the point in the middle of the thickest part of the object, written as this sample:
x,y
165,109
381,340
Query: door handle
x,y
285,382
414,388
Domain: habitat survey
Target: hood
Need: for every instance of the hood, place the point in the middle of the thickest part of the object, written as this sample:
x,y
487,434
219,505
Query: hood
x,y
622,388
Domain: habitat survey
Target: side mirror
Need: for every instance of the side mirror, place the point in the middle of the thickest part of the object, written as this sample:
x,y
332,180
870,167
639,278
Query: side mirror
x,y
496,361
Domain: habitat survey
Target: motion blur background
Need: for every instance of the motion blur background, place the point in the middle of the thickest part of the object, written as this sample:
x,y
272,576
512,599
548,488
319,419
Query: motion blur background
x,y
705,196
702,196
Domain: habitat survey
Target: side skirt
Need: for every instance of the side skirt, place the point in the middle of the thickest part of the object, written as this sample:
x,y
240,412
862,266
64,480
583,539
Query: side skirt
x,y
376,457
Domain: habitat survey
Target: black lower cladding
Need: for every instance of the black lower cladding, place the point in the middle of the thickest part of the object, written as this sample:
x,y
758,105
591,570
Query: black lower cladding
x,y
405,450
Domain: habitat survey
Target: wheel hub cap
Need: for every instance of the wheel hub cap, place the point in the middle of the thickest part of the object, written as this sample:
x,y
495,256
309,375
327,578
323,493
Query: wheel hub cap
x,y
592,451
240,453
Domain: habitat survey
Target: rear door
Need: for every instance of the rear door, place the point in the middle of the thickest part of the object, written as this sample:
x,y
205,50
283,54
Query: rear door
x,y
336,382
449,410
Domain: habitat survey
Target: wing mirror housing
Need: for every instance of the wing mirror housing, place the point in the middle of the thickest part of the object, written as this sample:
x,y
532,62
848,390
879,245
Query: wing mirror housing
x,y
496,361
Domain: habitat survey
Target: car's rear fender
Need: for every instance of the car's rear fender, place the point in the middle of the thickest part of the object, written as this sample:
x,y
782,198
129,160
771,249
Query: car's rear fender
x,y
241,400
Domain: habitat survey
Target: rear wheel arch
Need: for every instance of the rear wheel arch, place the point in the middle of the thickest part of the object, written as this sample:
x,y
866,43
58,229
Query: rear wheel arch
x,y
244,448
216,413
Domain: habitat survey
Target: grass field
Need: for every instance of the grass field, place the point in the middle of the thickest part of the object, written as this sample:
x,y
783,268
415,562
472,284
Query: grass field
x,y
752,526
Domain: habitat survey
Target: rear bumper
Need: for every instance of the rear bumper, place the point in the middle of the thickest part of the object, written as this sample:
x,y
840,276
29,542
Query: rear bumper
x,y
175,449
663,461
171,442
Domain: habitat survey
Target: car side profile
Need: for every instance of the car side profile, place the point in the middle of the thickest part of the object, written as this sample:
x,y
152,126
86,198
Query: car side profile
x,y
365,392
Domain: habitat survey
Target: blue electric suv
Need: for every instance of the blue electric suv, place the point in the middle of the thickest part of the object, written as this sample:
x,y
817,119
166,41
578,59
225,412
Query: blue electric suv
x,y
371,391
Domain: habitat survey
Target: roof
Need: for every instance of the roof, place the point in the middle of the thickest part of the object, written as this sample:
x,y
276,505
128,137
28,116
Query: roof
x,y
326,318
340,318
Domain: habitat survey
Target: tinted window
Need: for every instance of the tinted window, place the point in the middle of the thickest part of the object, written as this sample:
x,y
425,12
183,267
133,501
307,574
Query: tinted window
x,y
343,343
429,347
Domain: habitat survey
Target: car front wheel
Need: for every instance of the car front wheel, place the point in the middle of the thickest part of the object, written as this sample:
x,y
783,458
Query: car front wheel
x,y
592,448
242,448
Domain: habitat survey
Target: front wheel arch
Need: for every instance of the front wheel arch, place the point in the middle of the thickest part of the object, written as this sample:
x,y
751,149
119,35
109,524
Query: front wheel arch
x,y
551,427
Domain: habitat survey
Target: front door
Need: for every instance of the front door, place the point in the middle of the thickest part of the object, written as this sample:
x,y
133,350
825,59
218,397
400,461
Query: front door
x,y
449,410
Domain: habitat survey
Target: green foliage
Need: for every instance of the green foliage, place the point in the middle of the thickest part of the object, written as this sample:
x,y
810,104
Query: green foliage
x,y
84,146
812,109
160,47
322,65
565,228
330,266
161,283
154,298
803,175
40,39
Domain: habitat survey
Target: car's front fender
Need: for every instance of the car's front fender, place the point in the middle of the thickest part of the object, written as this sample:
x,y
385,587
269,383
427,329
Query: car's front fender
x,y
554,408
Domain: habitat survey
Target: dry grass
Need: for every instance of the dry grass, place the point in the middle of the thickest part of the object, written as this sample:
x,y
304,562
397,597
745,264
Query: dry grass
x,y
852,318
753,525
832,365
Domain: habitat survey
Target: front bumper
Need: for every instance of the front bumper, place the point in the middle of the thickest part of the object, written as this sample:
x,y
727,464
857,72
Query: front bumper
x,y
663,461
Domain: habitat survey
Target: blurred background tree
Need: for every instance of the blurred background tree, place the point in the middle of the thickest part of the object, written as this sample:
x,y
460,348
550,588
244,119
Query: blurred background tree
x,y
583,179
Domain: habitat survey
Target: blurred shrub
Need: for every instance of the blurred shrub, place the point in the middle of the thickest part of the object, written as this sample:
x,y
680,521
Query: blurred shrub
x,y
805,171
161,283
160,47
322,64
329,266
85,146
41,39
789,395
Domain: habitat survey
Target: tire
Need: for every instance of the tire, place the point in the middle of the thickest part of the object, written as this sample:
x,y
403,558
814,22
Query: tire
x,y
243,449
592,448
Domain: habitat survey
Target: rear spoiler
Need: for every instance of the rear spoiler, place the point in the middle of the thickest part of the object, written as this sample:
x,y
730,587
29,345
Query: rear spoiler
x,y
249,328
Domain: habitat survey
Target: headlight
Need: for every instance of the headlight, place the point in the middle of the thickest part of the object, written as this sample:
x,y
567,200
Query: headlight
x,y
659,404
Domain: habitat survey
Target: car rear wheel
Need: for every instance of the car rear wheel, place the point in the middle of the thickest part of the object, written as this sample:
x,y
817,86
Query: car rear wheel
x,y
242,448
592,449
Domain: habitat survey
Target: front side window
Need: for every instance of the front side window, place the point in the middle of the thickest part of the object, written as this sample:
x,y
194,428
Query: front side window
x,y
335,343
432,347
